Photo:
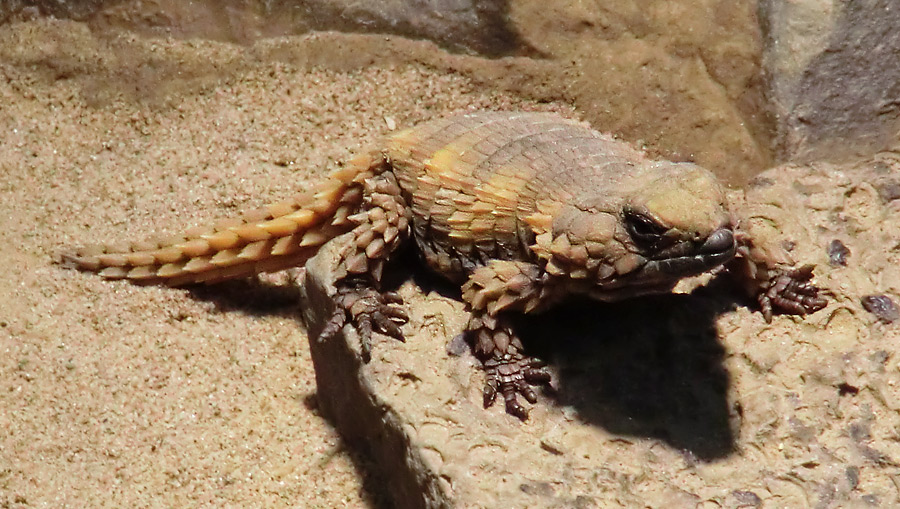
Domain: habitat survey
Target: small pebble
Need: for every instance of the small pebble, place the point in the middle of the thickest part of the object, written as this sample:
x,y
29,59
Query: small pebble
x,y
889,191
837,253
882,307
458,345
746,498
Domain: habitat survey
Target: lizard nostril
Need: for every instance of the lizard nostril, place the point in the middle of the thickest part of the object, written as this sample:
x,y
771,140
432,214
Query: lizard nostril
x,y
719,241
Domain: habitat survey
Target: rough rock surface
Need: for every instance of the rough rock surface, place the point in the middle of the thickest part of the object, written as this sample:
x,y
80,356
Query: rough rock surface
x,y
703,405
834,75
681,78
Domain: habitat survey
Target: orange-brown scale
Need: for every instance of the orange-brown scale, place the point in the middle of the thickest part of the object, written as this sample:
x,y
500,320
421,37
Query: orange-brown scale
x,y
275,237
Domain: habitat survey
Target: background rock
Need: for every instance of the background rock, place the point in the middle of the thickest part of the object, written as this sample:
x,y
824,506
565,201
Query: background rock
x,y
834,70
681,78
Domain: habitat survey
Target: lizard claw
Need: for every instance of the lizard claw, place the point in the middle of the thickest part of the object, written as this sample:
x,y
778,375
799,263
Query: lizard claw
x,y
511,375
368,310
791,292
507,371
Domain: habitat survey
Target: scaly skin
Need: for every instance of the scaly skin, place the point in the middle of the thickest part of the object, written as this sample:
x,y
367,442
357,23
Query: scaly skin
x,y
520,209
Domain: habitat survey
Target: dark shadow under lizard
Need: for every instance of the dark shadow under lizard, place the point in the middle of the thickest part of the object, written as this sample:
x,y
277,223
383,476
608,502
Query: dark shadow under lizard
x,y
650,367
250,296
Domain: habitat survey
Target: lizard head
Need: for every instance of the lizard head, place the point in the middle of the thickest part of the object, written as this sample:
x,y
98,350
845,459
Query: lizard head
x,y
669,222
676,224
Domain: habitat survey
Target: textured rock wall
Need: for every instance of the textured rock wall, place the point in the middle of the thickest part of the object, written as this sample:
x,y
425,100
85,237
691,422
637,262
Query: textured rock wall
x,y
834,72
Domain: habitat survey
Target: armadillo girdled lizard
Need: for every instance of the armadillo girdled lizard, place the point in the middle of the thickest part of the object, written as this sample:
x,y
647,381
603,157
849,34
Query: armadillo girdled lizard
x,y
521,209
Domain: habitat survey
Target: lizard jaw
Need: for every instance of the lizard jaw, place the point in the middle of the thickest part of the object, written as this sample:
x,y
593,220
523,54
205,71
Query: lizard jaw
x,y
662,270
685,258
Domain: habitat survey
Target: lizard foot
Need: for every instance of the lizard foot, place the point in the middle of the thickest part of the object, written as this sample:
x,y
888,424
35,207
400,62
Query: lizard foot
x,y
511,375
368,310
508,372
790,292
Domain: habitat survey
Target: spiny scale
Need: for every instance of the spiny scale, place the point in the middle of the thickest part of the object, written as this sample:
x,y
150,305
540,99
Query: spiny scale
x,y
275,237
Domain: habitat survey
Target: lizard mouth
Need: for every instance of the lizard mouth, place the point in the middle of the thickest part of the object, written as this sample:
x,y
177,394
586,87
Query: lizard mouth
x,y
663,268
687,258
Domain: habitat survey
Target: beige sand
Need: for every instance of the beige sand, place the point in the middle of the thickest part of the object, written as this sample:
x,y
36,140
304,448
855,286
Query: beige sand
x,y
123,395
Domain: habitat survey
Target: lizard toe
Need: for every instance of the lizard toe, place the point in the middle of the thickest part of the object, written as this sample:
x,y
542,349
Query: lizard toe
x,y
370,311
791,292
512,375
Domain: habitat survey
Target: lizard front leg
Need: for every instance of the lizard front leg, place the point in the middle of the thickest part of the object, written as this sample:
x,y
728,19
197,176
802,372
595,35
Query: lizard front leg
x,y
492,291
769,273
764,220
382,224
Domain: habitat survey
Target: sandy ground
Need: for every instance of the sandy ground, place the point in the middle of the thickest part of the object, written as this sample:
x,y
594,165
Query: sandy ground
x,y
114,394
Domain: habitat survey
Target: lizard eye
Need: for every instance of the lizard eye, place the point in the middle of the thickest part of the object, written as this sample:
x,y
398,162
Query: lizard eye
x,y
646,232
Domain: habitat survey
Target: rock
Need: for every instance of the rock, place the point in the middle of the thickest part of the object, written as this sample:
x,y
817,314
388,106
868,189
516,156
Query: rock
x,y
417,410
681,78
461,25
68,9
882,306
705,402
834,76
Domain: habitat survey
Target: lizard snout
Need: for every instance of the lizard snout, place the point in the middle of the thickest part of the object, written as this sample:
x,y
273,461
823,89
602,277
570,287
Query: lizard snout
x,y
687,258
721,240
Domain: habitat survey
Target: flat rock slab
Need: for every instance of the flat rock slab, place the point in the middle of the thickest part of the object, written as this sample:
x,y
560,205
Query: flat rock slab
x,y
676,401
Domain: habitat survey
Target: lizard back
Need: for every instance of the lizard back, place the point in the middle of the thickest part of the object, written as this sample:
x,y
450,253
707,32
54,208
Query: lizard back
x,y
474,180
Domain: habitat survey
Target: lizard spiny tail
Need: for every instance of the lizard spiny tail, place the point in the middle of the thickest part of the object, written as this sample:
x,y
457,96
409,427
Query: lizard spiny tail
x,y
363,200
275,237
